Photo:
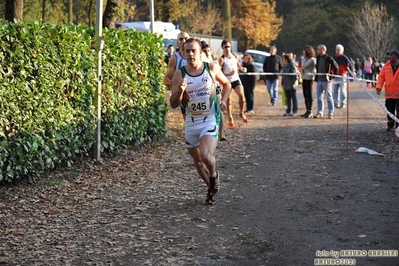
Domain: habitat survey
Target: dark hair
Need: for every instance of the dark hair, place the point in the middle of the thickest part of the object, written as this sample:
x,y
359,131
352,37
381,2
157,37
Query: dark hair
x,y
204,45
170,45
286,57
224,42
190,40
309,51
249,56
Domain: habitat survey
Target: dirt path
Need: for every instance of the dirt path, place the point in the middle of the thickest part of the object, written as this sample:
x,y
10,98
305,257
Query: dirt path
x,y
290,188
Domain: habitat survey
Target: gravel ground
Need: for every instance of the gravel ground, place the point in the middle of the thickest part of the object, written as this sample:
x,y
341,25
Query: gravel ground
x,y
293,191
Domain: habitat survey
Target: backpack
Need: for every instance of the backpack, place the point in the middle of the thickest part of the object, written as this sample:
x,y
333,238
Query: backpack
x,y
298,76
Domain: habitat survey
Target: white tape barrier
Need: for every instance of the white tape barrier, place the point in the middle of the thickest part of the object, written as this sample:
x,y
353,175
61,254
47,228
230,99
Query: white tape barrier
x,y
307,74
359,81
380,104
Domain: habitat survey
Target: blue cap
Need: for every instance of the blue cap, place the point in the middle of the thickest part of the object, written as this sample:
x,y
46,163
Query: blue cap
x,y
395,52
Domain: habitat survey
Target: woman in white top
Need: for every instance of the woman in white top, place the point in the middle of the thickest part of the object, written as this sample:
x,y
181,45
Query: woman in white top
x,y
307,71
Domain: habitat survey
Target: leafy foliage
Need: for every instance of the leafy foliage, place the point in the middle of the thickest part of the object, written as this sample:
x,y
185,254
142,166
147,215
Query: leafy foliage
x,y
205,19
257,21
48,74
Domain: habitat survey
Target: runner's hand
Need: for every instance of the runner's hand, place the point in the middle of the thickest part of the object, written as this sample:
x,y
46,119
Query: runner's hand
x,y
183,84
222,106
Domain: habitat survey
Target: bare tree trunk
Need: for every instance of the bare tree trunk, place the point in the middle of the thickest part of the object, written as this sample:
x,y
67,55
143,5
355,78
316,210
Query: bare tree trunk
x,y
43,11
89,14
14,10
226,14
373,32
70,13
110,13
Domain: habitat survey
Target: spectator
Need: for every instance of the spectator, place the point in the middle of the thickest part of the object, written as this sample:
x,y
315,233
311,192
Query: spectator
x,y
272,64
358,68
375,70
307,72
249,82
171,50
368,71
390,77
362,72
325,65
344,63
290,85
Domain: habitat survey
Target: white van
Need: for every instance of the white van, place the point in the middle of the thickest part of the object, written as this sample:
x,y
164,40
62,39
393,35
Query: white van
x,y
259,58
168,30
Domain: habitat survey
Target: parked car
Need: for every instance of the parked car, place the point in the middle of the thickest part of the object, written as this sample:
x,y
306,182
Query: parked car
x,y
259,58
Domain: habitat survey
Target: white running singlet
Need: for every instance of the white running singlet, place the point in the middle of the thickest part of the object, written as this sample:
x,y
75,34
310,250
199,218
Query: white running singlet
x,y
180,61
228,65
202,112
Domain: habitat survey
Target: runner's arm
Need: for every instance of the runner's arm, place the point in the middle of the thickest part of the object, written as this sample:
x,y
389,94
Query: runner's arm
x,y
240,67
221,61
223,81
178,87
167,80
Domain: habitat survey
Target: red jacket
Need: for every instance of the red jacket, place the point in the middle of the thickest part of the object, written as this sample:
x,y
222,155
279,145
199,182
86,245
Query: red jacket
x,y
391,81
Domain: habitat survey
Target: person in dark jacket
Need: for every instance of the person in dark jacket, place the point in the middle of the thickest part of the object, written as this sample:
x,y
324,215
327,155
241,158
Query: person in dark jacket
x,y
272,64
290,84
358,68
171,51
325,66
249,82
375,68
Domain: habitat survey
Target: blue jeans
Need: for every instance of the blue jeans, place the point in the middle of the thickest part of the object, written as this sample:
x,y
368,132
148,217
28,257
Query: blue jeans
x,y
322,87
272,88
340,91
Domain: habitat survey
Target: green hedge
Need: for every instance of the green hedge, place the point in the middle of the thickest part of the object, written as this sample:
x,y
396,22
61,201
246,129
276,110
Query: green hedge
x,y
47,86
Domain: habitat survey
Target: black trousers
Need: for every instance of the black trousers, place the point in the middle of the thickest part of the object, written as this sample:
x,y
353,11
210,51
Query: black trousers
x,y
249,97
307,86
292,101
392,105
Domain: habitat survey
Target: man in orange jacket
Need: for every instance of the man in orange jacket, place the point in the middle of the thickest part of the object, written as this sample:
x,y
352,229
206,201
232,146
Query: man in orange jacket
x,y
389,76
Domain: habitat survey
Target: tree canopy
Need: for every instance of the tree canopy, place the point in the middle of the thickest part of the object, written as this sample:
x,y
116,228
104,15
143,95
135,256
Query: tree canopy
x,y
257,21
328,22
287,24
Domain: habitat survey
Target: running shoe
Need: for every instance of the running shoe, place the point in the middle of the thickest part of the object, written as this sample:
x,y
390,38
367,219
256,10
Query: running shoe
x,y
244,118
231,122
213,189
215,183
222,137
210,198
